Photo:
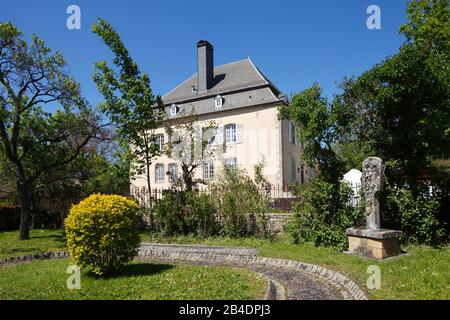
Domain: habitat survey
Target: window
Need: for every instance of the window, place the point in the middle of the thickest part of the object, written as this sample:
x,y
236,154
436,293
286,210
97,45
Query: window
x,y
208,170
230,133
302,177
159,140
293,169
230,163
292,136
218,102
173,171
173,110
159,172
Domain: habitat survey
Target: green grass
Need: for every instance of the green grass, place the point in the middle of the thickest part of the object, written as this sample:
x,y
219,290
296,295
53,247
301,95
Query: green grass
x,y
47,280
40,241
423,273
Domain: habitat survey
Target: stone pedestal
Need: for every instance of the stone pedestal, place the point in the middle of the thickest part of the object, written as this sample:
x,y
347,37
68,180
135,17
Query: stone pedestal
x,y
378,244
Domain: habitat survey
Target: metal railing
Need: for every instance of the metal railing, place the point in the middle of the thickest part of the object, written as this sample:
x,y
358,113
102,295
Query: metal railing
x,y
280,199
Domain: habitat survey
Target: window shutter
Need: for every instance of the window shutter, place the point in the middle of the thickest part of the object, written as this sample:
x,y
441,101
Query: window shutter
x,y
294,135
290,132
293,169
239,133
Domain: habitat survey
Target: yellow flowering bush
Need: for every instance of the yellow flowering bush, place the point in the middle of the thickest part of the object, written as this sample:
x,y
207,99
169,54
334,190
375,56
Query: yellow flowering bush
x,y
102,232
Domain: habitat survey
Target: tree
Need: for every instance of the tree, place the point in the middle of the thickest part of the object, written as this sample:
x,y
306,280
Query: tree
x,y
191,144
129,102
38,145
100,168
319,130
400,108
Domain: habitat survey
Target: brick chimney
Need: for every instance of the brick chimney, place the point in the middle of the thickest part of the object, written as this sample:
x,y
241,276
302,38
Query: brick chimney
x,y
205,65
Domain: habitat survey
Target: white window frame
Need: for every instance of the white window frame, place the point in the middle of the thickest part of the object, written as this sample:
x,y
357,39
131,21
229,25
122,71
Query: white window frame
x,y
231,163
208,170
173,174
231,133
218,102
159,140
159,173
173,110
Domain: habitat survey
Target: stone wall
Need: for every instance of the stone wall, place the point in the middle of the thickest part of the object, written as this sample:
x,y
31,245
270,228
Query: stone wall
x,y
277,222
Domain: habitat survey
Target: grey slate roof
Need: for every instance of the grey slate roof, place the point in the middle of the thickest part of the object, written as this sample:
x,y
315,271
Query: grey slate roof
x,y
240,84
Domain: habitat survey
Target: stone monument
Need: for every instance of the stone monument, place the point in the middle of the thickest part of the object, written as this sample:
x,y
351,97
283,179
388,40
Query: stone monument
x,y
373,241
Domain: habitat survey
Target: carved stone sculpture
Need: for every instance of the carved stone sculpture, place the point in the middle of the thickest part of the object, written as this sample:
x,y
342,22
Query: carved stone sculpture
x,y
373,241
371,182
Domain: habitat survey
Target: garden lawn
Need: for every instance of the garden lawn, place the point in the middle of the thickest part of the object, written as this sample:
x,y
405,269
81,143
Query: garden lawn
x,y
423,273
138,280
40,241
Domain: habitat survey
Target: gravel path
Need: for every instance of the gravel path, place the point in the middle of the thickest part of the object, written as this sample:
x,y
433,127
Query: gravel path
x,y
298,284
287,279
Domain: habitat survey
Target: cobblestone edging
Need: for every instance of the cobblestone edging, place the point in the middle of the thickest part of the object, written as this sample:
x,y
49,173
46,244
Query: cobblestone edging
x,y
274,291
223,255
348,288
197,249
35,256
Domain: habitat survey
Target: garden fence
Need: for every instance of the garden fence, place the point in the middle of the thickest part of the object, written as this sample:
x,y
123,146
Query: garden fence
x,y
49,211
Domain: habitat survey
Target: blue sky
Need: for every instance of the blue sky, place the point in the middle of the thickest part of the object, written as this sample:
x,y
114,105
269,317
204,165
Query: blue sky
x,y
294,43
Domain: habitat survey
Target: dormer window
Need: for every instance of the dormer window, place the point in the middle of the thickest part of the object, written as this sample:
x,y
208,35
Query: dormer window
x,y
218,102
173,110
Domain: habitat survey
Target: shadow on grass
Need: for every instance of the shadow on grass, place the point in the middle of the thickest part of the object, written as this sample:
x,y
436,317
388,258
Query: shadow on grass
x,y
56,237
136,270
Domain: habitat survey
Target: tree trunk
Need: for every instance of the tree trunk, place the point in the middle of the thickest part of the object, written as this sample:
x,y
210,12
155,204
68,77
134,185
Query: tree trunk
x,y
26,201
187,178
149,190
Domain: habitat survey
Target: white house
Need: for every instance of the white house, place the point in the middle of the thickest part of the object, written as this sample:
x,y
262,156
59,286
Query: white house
x,y
244,105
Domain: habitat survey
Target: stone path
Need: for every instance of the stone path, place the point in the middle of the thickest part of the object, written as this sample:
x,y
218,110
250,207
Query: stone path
x,y
300,286
298,281
287,279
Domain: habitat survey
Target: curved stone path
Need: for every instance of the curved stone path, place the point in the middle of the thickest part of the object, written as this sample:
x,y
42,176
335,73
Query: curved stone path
x,y
298,281
287,279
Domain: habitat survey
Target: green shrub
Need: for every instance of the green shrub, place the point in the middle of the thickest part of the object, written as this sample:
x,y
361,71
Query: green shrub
x,y
416,216
241,203
169,213
185,212
235,207
102,232
200,215
323,214
235,220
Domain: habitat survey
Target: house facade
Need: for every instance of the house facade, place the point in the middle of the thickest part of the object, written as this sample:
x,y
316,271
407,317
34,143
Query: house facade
x,y
243,105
